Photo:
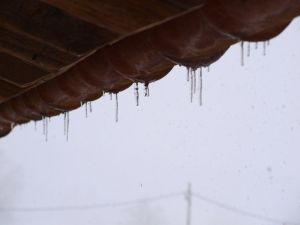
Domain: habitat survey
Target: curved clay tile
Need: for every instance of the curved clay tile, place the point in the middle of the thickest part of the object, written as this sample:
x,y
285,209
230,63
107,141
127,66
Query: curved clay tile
x,y
195,39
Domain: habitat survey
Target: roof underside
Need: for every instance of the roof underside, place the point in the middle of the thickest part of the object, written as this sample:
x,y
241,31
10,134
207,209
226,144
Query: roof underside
x,y
55,54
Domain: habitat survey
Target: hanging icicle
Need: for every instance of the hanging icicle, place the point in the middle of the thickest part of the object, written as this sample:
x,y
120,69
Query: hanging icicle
x,y
264,48
248,49
256,45
242,53
200,86
91,107
195,82
67,125
192,86
46,129
136,92
117,108
188,74
35,126
44,125
86,109
147,92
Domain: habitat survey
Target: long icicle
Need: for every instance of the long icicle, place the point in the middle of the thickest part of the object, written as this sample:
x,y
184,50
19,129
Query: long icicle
x,y
91,107
65,123
68,125
248,49
137,95
200,87
117,108
195,82
86,109
264,48
192,86
242,53
46,129
44,125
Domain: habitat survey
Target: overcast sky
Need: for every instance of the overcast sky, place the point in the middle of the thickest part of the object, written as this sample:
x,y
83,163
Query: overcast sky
x,y
241,148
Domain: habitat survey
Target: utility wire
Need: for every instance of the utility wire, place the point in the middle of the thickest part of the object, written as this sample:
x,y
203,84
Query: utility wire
x,y
145,200
242,212
90,206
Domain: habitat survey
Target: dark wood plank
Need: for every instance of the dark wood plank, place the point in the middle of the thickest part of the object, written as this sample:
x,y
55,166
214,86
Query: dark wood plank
x,y
52,25
33,51
123,16
17,72
7,90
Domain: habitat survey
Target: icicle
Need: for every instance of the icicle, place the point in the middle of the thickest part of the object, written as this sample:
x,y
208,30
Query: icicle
x,y
248,49
192,86
86,109
242,53
117,108
147,93
91,107
81,103
195,82
46,129
268,42
256,45
188,74
110,95
68,125
44,125
35,127
265,48
65,123
200,87
136,88
208,68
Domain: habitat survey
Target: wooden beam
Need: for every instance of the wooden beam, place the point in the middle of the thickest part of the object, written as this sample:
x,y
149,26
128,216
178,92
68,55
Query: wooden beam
x,y
53,26
34,51
18,73
123,16
7,90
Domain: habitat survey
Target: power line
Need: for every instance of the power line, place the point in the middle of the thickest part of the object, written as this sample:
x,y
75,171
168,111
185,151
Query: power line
x,y
242,212
145,200
90,206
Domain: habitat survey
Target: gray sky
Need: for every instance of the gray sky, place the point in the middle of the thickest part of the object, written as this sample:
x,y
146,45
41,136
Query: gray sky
x,y
241,148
